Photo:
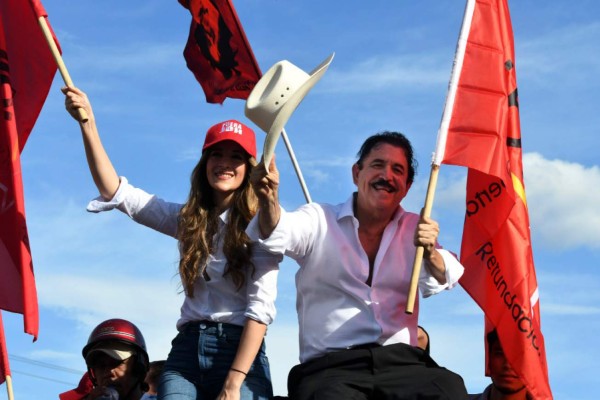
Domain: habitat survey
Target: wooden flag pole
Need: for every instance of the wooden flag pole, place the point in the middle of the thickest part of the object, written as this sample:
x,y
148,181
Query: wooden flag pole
x,y
414,279
83,117
438,155
4,361
9,388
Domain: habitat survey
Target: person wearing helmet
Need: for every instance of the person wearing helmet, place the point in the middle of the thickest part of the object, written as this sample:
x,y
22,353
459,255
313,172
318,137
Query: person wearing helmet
x,y
117,361
230,284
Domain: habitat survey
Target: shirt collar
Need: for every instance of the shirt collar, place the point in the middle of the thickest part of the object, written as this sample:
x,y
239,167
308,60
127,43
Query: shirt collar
x,y
223,216
347,209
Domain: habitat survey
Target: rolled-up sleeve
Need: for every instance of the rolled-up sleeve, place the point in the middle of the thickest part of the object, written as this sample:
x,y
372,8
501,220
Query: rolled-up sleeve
x,y
262,286
278,241
293,236
454,270
142,207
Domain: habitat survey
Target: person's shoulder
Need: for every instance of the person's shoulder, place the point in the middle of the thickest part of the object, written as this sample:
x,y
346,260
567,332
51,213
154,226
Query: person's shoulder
x,y
342,209
314,206
323,212
479,396
482,396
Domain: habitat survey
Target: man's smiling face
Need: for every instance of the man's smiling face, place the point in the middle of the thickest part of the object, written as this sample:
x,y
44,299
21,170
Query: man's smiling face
x,y
381,178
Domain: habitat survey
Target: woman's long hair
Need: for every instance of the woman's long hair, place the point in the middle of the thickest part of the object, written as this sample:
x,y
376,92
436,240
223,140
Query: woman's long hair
x,y
199,225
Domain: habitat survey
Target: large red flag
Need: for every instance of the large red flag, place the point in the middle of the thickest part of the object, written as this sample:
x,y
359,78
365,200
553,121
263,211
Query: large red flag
x,y
481,130
4,367
26,72
218,52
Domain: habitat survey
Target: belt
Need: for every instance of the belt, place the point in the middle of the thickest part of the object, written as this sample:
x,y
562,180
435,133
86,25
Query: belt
x,y
196,326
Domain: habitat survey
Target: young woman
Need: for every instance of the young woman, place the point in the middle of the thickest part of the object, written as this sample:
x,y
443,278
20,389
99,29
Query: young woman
x,y
230,285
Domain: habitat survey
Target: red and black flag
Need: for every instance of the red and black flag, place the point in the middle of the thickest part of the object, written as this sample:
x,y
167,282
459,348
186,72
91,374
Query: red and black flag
x,y
27,69
481,130
218,52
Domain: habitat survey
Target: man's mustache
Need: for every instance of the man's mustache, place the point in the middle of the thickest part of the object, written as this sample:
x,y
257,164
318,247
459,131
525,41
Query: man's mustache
x,y
382,183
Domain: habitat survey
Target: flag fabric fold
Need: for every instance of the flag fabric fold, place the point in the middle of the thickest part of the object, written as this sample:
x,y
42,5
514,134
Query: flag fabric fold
x,y
27,69
481,130
218,52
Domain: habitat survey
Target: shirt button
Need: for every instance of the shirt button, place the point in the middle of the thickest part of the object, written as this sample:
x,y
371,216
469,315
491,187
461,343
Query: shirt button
x,y
202,326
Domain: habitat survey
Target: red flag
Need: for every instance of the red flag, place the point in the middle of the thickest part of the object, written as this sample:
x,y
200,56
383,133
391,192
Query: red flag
x,y
218,52
26,72
81,391
4,367
483,134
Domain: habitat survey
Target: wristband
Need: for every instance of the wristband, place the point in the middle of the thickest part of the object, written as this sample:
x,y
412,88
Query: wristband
x,y
237,370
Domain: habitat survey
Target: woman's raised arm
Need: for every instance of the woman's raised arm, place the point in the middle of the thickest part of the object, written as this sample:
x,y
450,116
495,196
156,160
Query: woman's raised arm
x,y
104,174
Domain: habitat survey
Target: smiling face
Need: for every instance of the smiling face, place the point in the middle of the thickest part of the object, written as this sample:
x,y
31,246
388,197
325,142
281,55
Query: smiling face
x,y
225,170
381,179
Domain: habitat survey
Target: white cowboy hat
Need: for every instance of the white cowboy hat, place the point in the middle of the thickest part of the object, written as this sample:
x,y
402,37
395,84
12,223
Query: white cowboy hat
x,y
276,96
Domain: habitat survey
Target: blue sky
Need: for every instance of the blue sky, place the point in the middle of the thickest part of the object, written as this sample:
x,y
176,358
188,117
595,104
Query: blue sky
x,y
390,72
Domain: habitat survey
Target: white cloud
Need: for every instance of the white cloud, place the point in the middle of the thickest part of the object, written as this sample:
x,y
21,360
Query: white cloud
x,y
319,177
88,299
387,72
571,48
563,202
97,296
90,268
87,242
569,310
562,199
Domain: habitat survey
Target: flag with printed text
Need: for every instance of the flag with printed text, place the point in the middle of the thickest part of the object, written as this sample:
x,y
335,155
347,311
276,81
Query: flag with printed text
x,y
481,130
218,52
27,69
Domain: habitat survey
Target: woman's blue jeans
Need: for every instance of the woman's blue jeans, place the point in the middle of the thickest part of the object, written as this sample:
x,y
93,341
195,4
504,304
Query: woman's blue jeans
x,y
199,362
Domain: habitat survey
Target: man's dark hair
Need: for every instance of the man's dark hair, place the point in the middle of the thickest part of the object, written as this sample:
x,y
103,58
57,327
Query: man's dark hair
x,y
154,371
396,139
491,337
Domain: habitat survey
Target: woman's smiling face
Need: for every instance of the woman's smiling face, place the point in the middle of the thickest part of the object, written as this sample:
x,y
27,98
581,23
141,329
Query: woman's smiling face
x,y
225,170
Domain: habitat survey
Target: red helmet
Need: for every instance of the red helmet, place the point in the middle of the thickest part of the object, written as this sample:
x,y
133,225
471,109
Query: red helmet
x,y
117,330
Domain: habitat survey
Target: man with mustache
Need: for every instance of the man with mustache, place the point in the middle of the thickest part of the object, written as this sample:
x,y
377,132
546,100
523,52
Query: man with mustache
x,y
355,262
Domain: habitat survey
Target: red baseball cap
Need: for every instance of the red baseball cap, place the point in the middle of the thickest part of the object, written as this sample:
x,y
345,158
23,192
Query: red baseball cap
x,y
231,130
